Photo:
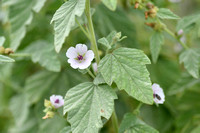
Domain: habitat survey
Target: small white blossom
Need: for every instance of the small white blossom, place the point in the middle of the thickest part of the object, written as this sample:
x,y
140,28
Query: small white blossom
x,y
158,94
80,57
94,67
174,1
57,101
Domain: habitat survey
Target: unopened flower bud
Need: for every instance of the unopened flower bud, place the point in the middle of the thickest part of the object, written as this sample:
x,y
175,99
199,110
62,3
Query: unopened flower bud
x,y
47,103
149,6
2,50
136,5
49,114
8,51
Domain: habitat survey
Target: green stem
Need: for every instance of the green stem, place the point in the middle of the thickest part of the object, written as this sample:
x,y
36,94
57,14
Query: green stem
x,y
20,55
172,34
90,73
137,110
91,30
82,29
114,122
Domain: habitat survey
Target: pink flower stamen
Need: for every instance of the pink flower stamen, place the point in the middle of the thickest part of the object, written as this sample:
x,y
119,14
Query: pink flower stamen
x,y
57,101
80,57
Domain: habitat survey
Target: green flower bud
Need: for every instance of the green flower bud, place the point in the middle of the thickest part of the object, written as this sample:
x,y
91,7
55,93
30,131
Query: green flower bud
x,y
2,50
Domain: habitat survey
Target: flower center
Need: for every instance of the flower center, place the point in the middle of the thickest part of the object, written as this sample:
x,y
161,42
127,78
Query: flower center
x,y
57,101
80,57
156,96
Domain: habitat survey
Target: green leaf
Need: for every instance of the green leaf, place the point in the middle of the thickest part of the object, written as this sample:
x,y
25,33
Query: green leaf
x,y
187,21
196,130
164,13
64,20
38,84
53,125
126,67
156,42
19,107
43,52
21,15
131,124
2,40
6,59
111,4
86,103
183,83
104,42
66,130
99,79
111,39
191,60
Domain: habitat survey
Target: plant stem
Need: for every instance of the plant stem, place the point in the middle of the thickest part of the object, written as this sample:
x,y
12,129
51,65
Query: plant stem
x,y
114,122
90,73
82,29
172,34
137,110
20,55
91,30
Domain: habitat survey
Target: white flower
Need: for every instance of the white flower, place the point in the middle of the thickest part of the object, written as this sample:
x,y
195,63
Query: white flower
x,y
174,1
158,94
57,101
80,57
94,67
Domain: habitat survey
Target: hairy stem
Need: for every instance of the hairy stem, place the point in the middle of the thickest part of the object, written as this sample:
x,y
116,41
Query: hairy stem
x,y
82,29
91,30
114,122
172,34
90,73
137,110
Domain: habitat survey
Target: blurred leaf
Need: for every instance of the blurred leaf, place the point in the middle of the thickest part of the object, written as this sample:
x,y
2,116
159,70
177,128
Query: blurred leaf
x,y
165,13
43,53
21,15
156,42
6,59
2,40
196,130
111,4
64,20
185,82
86,103
66,130
19,107
28,126
126,67
191,60
38,84
132,124
187,21
53,125
115,21
157,117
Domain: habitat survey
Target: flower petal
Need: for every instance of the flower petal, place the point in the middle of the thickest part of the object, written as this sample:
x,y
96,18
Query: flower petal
x,y
71,53
73,63
81,49
89,56
85,64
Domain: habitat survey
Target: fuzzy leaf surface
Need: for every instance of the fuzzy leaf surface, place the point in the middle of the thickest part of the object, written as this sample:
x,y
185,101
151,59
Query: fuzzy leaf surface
x,y
126,67
86,103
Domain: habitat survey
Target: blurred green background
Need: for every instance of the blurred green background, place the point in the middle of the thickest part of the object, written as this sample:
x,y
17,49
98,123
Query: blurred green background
x,y
24,85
